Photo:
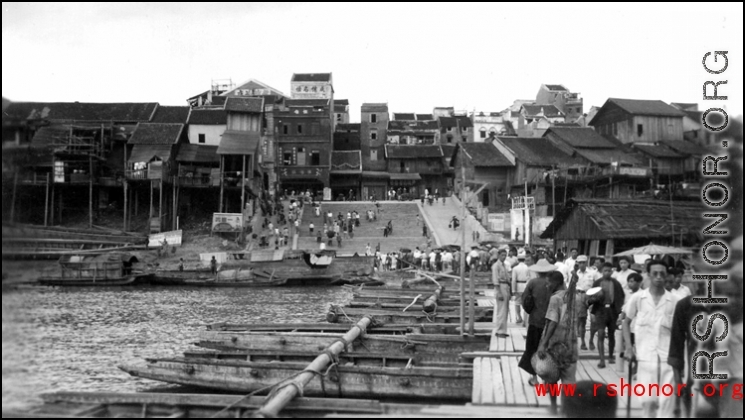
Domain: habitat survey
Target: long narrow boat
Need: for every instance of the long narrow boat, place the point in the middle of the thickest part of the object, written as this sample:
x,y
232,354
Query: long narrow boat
x,y
388,329
448,292
452,384
338,314
439,348
67,282
141,404
116,269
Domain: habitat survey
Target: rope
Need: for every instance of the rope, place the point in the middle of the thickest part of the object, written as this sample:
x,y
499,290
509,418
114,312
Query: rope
x,y
434,315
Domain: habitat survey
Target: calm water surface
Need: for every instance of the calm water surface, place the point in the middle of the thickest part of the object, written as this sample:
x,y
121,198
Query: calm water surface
x,y
72,339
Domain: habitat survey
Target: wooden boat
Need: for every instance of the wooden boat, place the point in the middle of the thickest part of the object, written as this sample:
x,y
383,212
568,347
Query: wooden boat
x,y
338,314
142,404
388,329
115,269
452,384
448,292
439,348
442,307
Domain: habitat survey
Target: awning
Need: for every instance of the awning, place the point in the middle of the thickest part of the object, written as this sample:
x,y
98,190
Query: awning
x,y
196,153
344,182
405,177
239,143
147,152
375,174
345,172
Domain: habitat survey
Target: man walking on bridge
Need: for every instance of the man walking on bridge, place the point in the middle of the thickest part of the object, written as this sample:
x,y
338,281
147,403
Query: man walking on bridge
x,y
501,281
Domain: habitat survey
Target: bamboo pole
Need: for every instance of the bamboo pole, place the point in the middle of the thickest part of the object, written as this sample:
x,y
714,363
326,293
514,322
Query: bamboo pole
x,y
463,252
13,199
126,190
51,210
160,203
174,213
243,187
90,190
274,404
46,203
222,165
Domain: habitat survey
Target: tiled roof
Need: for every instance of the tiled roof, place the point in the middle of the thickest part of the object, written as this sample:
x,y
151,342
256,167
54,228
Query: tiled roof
x,y
148,152
607,156
81,111
373,107
583,137
484,155
538,151
412,152
171,114
447,150
156,133
311,77
403,116
239,143
218,100
646,107
348,127
424,117
547,110
448,122
197,153
685,106
307,102
216,116
341,101
685,147
248,104
346,160
556,87
464,121
658,151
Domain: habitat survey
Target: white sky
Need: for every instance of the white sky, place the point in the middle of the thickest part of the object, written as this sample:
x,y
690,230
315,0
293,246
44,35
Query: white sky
x,y
413,56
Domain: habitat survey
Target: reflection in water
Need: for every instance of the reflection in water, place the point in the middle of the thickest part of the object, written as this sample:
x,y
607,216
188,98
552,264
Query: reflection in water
x,y
73,339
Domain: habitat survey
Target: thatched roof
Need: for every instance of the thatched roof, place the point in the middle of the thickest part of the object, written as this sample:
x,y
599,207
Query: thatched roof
x,y
618,218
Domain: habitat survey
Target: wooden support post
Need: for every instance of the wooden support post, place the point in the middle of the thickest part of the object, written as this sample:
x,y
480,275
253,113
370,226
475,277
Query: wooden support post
x,y
90,191
471,302
61,206
243,186
13,199
160,204
125,226
51,209
463,252
46,203
174,212
137,202
150,213
222,164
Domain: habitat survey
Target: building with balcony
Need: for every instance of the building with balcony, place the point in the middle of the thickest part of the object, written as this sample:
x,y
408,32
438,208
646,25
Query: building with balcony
x,y
346,174
414,169
412,132
487,125
569,103
484,166
373,136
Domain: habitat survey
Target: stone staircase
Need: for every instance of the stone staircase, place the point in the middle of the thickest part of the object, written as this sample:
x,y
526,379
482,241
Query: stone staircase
x,y
406,232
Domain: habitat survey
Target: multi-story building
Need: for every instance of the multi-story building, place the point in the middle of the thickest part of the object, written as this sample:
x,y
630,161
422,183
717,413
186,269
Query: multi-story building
x,y
484,166
569,103
373,137
489,125
454,129
341,111
414,169
639,121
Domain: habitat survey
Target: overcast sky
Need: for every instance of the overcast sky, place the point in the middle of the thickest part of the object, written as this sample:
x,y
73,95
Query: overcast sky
x,y
412,56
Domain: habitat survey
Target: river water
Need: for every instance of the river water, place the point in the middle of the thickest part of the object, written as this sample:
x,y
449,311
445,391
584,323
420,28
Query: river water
x,y
72,339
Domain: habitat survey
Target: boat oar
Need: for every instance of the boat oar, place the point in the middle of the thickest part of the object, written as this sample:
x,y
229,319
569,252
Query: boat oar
x,y
288,390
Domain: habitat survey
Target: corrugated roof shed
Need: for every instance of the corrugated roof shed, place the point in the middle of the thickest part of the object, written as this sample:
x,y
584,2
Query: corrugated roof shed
x,y
239,143
197,153
581,137
658,151
346,160
81,111
311,77
538,151
646,107
216,116
156,133
171,114
616,218
484,155
412,152
403,116
248,104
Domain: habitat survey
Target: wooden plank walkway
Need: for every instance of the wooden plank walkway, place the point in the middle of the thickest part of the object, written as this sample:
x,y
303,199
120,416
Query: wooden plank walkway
x,y
497,380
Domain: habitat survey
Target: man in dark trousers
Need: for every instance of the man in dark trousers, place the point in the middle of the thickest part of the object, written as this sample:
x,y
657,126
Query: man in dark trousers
x,y
606,311
535,302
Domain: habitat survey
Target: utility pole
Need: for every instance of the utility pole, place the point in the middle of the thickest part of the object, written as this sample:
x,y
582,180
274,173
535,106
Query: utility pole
x,y
463,253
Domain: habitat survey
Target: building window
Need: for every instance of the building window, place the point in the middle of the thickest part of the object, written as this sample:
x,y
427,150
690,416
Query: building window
x,y
615,129
402,164
315,158
465,139
287,159
300,129
450,139
373,118
483,133
639,130
450,129
373,135
338,117
202,138
373,155
285,129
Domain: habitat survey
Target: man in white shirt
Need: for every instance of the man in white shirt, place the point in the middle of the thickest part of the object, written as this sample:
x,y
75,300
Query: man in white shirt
x,y
622,274
417,256
571,260
447,261
501,281
585,279
432,257
472,258
680,289
653,310
520,276
562,268
511,259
